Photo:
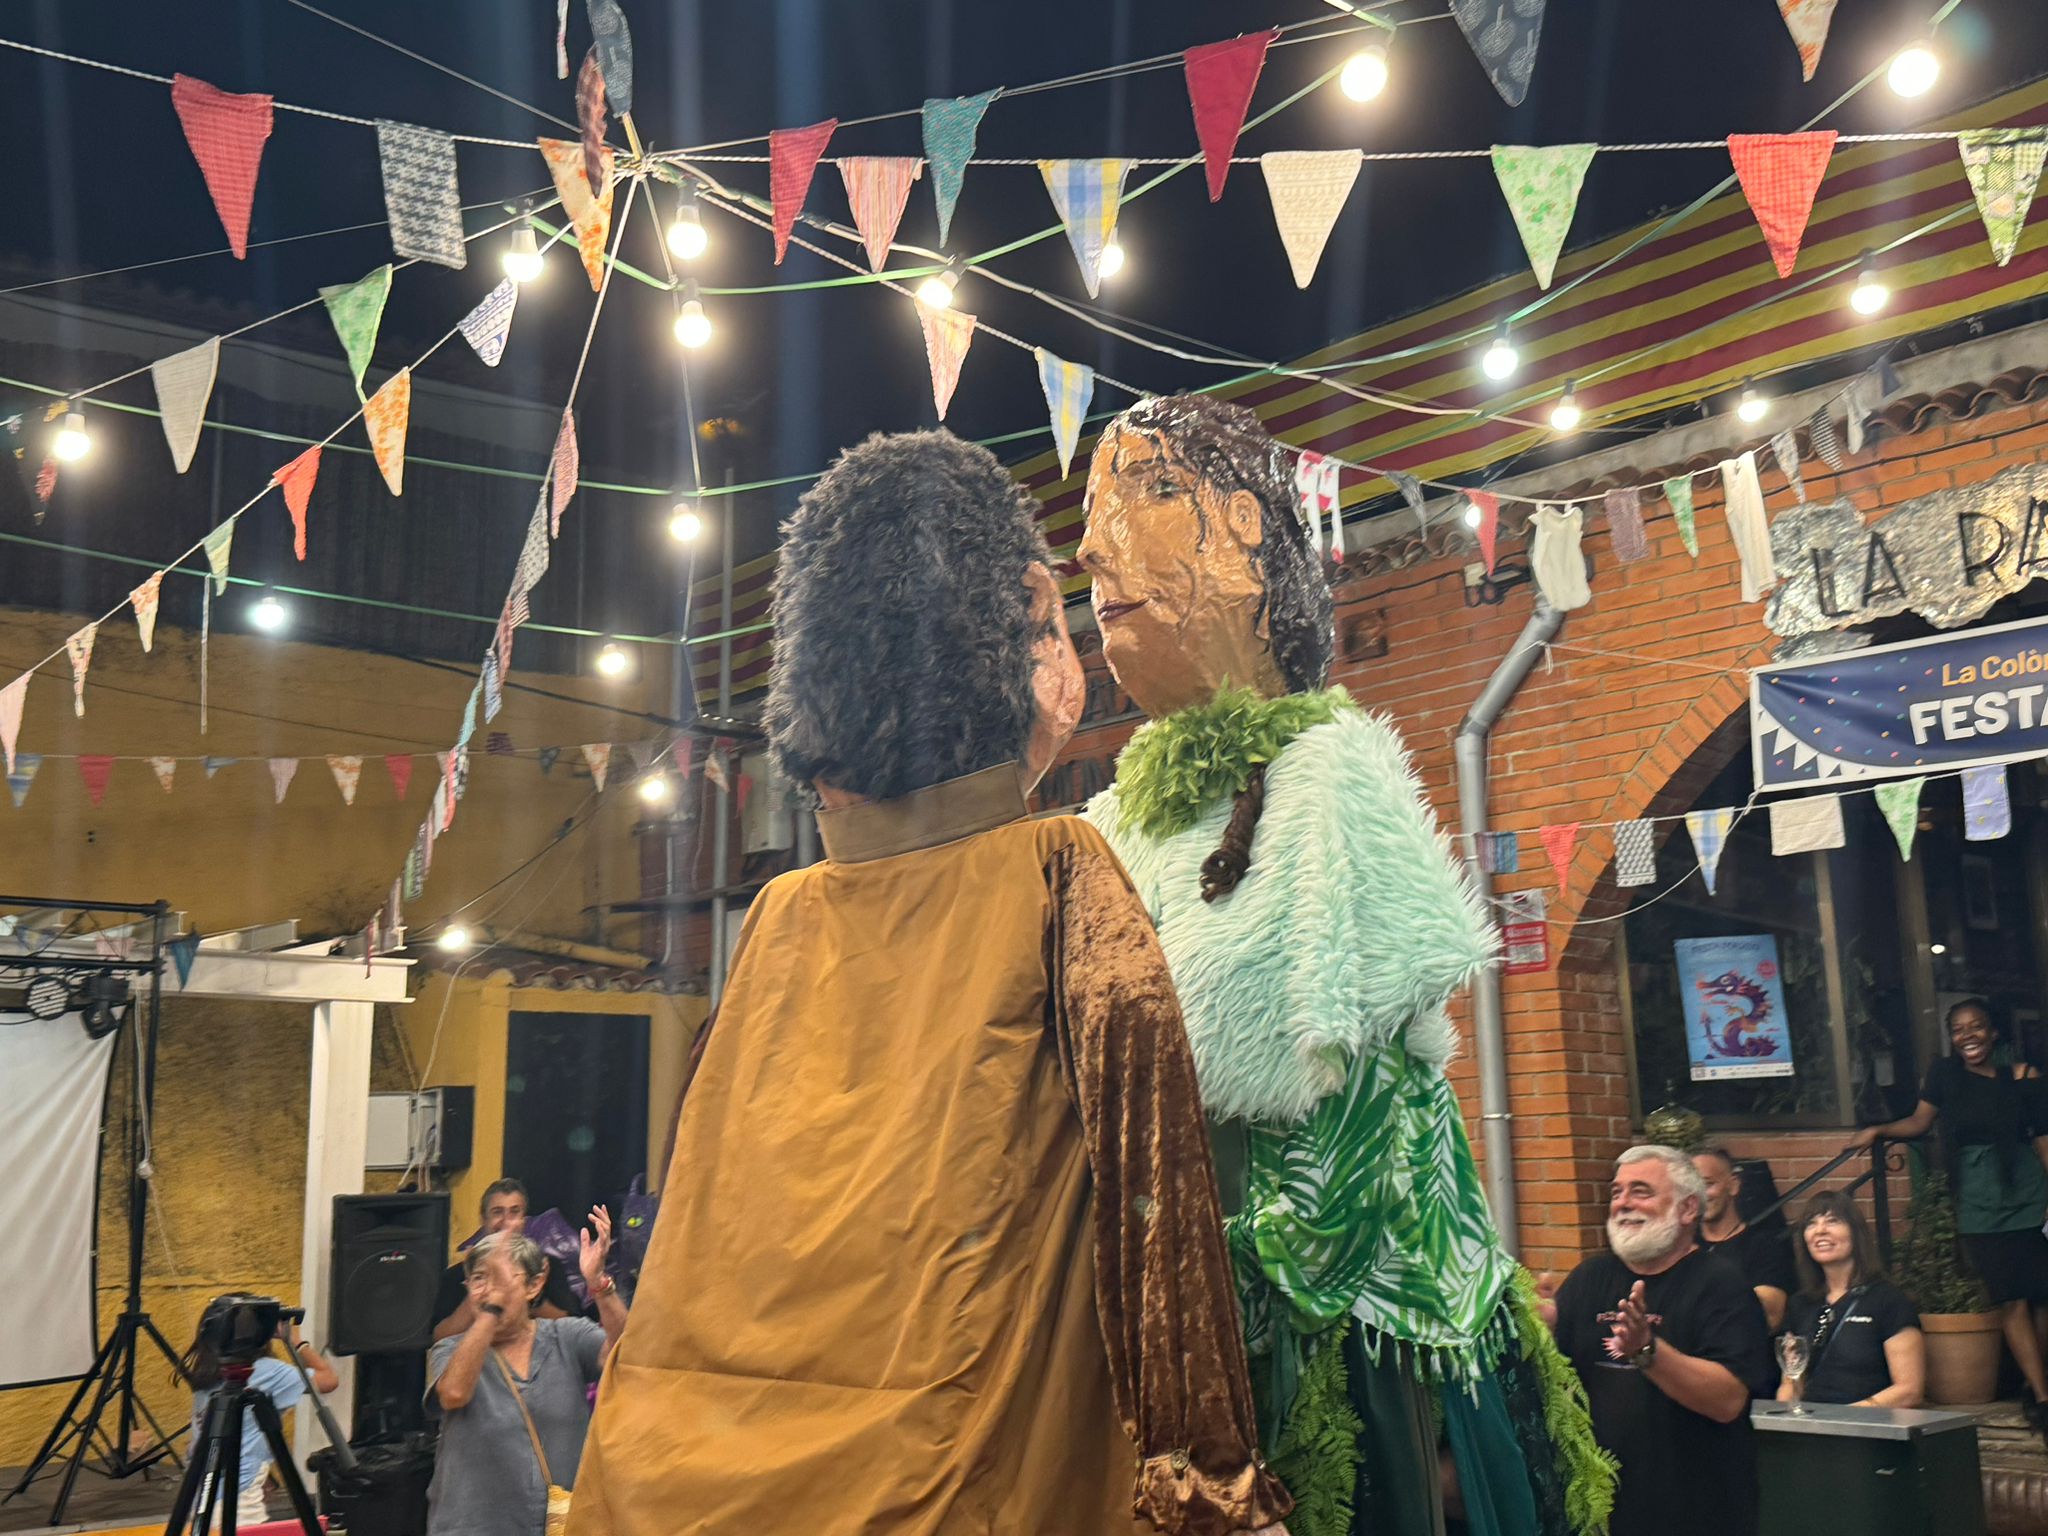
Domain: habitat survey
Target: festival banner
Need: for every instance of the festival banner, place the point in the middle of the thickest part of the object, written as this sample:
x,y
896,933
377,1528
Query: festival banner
x,y
792,157
950,127
1068,389
1220,79
357,310
421,200
296,481
1504,38
1308,188
565,465
385,415
227,133
1541,184
1900,711
184,384
877,187
589,209
1807,21
1086,194
1734,999
947,335
612,42
487,327
145,600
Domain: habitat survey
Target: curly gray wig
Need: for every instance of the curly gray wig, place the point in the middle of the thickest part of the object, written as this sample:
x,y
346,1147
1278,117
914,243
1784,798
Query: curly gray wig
x,y
903,628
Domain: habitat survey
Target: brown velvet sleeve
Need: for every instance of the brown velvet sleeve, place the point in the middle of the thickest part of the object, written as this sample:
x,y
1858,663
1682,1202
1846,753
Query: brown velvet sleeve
x,y
1163,1285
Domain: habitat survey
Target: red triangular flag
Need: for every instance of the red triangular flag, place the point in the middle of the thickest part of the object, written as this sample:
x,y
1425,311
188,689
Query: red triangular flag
x,y
1559,842
1487,506
1220,81
685,751
792,156
94,769
296,481
226,133
399,766
1780,173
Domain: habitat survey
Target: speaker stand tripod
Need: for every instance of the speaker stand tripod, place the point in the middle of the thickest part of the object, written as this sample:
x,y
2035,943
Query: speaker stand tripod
x,y
215,1464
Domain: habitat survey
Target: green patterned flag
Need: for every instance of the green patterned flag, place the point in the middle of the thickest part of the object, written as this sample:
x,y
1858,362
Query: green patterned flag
x,y
1900,803
1678,491
1542,185
2004,167
357,309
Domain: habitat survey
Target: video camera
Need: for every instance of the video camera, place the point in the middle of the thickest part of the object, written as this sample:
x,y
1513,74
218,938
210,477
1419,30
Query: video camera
x,y
239,1329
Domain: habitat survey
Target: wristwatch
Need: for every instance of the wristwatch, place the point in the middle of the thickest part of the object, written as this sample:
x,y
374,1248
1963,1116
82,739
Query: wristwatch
x,y
1641,1359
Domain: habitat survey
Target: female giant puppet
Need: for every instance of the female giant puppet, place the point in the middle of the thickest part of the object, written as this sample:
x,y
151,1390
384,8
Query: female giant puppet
x,y
940,1252
1316,926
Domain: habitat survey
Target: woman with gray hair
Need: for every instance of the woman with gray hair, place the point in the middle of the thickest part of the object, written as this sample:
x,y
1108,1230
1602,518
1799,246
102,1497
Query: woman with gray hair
x,y
513,1390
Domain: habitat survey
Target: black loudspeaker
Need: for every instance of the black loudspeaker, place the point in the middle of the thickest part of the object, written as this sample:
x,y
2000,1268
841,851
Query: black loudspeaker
x,y
389,1251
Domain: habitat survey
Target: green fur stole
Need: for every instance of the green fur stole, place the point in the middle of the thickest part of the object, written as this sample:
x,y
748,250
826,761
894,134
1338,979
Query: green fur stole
x,y
1176,768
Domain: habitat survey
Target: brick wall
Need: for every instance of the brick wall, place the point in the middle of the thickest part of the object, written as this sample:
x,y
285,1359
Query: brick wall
x,y
1648,675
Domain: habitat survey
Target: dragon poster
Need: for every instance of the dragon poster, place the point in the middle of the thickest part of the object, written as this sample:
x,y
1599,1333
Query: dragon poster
x,y
1734,997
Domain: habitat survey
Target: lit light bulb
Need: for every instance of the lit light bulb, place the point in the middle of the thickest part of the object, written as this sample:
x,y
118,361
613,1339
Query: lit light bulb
x,y
684,523
1365,73
1111,261
1870,293
686,237
1751,407
1937,949
522,260
72,442
268,614
693,326
1566,415
655,789
1501,359
1471,514
454,939
612,660
936,291
1914,69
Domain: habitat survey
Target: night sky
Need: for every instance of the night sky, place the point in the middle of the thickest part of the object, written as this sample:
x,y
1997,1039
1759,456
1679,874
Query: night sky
x,y
103,178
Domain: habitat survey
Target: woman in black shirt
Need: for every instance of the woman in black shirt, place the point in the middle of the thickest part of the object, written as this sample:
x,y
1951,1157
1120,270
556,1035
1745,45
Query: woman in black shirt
x,y
1863,1334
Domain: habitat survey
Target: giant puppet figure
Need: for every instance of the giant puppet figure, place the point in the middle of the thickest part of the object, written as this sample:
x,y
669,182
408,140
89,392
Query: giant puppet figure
x,y
940,1251
1316,926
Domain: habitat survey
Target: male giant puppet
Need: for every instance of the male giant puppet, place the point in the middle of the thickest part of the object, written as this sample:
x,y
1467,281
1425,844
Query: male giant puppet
x,y
1316,926
941,1251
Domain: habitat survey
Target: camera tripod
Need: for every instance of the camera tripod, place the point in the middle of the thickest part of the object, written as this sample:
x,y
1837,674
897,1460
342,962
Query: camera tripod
x,y
215,1463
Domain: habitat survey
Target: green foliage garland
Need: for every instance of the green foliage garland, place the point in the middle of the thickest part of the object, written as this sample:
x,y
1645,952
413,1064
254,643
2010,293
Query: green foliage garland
x,y
1176,768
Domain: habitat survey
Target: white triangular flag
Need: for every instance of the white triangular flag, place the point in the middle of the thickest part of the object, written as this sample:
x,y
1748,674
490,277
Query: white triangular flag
x,y
877,187
1807,825
12,697
166,769
281,771
347,769
598,755
78,646
947,335
1308,188
184,383
487,326
144,600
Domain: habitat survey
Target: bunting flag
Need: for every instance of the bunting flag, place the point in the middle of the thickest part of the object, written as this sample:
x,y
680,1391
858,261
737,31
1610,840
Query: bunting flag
x,y
347,769
1557,556
1411,492
1807,21
385,415
296,481
1785,449
2004,167
144,600
1624,509
1086,194
21,772
499,743
1500,853
216,544
399,766
1221,77
949,132
612,42
1987,805
564,466
561,39
1560,842
643,753
213,765
421,199
46,485
1899,802
1318,485
78,646
684,751
1541,185
877,187
1859,404
598,755
184,949
533,557
1068,389
1827,447
1808,825
1889,384
1504,36
1308,188
1709,831
226,133
590,117
792,157
281,771
494,691
1780,173
487,327
1743,497
1488,527
947,334
95,768
414,876
12,697
1635,854
546,758
165,769
589,210
714,767
184,384
357,309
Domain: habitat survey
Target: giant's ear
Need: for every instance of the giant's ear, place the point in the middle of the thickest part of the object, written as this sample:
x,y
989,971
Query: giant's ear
x,y
1044,593
1247,518
1058,688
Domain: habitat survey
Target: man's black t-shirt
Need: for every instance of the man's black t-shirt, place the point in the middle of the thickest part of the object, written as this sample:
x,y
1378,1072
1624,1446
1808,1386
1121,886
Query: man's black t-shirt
x,y
1682,1474
1848,1362
1763,1255
554,1291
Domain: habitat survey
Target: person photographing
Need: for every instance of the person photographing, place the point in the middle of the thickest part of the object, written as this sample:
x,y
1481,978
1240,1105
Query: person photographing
x,y
202,1368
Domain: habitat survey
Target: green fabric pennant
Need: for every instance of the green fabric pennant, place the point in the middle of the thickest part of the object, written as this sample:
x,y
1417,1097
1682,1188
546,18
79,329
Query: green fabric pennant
x,y
1899,801
1541,185
2004,167
1175,768
357,309
1678,491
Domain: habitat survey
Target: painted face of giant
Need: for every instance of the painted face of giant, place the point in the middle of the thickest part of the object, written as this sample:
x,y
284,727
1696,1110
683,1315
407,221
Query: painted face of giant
x,y
1180,596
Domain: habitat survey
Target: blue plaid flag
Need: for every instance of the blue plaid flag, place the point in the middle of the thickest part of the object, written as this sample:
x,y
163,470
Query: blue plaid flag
x,y
1709,831
1086,193
1987,807
1068,389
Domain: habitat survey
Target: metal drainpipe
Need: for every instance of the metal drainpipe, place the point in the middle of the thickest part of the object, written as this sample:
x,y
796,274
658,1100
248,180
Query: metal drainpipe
x,y
1469,750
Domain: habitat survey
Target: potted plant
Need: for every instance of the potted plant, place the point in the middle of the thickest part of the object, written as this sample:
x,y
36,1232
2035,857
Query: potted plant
x,y
1963,1339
